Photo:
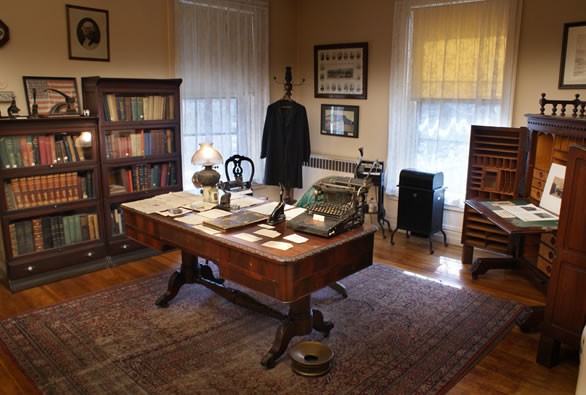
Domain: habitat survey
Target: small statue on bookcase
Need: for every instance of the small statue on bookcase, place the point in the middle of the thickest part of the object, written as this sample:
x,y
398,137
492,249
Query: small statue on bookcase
x,y
34,106
13,109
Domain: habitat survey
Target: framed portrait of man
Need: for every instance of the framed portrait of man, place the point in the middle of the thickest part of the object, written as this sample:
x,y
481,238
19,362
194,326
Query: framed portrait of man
x,y
87,33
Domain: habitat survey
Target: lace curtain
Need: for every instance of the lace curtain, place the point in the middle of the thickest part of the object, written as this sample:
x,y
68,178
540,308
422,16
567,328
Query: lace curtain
x,y
452,66
221,53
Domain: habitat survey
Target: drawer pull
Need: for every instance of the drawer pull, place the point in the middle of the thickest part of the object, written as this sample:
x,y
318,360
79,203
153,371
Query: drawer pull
x,y
125,246
90,254
30,268
551,255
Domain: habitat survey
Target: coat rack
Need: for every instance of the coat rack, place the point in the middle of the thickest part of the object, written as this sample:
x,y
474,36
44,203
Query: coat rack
x,y
288,82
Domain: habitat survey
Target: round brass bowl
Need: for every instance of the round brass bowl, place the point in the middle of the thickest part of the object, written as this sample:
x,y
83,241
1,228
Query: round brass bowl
x,y
311,358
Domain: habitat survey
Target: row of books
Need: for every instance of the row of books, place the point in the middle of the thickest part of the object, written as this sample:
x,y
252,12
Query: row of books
x,y
139,143
117,221
26,151
36,191
138,108
44,233
142,177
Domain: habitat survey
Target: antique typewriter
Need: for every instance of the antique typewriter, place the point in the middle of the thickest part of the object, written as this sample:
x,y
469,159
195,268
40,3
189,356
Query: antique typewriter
x,y
339,205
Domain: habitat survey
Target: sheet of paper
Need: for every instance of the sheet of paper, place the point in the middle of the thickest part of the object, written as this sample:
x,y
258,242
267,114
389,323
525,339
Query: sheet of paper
x,y
207,229
266,226
268,233
215,213
248,237
245,201
295,238
503,214
192,219
530,213
280,245
294,212
268,208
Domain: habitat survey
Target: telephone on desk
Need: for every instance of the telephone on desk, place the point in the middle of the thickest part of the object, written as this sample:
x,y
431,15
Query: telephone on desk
x,y
340,204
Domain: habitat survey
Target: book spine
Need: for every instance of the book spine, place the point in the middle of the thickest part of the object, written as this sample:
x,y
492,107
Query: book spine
x,y
13,239
37,234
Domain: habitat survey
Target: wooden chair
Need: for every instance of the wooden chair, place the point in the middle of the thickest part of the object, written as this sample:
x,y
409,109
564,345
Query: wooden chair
x,y
235,173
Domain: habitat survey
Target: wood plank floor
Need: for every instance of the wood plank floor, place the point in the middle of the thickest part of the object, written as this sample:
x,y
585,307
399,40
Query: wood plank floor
x,y
510,368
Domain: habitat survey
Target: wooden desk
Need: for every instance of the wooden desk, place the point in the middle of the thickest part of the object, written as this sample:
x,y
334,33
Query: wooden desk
x,y
289,276
512,226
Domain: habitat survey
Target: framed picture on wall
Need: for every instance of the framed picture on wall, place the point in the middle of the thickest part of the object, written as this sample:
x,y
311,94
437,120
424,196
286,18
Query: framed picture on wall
x,y
341,70
51,96
337,120
573,63
88,36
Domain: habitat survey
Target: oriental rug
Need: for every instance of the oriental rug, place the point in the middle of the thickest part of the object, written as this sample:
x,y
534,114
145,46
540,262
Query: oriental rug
x,y
396,333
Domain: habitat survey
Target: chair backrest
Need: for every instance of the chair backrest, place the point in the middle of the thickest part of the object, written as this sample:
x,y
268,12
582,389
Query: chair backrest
x,y
235,171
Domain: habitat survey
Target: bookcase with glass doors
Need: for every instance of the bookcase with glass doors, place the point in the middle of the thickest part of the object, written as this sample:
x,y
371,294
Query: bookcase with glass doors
x,y
140,146
52,224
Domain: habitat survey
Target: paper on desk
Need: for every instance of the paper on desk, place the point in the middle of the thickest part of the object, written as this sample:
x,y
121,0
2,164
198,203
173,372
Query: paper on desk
x,y
268,233
268,208
149,205
207,229
192,219
294,212
245,201
503,214
530,213
215,213
266,226
248,237
295,238
280,245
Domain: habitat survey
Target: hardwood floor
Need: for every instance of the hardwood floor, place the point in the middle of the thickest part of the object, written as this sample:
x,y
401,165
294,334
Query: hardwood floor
x,y
510,368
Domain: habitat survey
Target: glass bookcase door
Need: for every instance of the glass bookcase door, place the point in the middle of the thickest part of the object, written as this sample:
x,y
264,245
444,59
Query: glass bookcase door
x,y
139,142
120,107
44,233
49,189
45,149
141,177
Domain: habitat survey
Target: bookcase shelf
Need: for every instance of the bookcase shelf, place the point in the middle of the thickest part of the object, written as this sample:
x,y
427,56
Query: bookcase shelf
x,y
140,137
51,207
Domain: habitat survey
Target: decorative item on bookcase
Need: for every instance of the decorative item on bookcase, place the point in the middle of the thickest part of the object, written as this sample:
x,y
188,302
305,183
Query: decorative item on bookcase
x,y
207,178
51,96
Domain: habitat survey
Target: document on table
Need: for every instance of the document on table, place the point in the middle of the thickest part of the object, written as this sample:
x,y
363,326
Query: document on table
x,y
280,245
530,213
268,233
192,219
248,237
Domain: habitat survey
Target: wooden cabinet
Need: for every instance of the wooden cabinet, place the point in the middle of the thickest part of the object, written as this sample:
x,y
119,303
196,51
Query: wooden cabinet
x,y
548,141
140,137
496,166
50,184
565,311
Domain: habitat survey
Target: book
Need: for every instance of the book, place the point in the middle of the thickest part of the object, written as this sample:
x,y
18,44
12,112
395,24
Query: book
x,y
13,239
37,234
84,227
47,233
10,201
10,151
235,220
5,160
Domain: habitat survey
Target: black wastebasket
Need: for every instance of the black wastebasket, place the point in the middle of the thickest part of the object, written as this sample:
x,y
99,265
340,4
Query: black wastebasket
x,y
421,204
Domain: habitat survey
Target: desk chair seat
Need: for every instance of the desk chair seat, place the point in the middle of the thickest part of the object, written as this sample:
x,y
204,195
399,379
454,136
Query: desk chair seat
x,y
236,167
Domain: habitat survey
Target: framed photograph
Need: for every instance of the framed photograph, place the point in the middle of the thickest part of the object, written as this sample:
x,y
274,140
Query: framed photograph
x,y
341,70
339,120
551,199
573,64
88,36
51,96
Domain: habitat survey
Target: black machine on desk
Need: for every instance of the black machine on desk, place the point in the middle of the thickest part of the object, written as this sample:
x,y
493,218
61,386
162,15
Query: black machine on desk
x,y
339,205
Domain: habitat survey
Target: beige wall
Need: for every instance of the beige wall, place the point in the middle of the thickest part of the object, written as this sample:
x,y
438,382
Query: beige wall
x,y
346,21
38,42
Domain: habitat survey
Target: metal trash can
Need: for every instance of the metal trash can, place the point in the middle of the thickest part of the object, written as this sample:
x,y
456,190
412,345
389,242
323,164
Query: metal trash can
x,y
421,204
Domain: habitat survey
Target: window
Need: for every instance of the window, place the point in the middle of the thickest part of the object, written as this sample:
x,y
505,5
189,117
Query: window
x,y
452,67
222,57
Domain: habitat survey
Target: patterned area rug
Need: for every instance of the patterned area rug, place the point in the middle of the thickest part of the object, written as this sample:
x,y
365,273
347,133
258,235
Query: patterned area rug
x,y
395,333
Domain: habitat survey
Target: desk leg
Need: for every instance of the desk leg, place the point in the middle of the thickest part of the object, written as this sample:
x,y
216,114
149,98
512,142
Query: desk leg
x,y
482,265
302,319
185,275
